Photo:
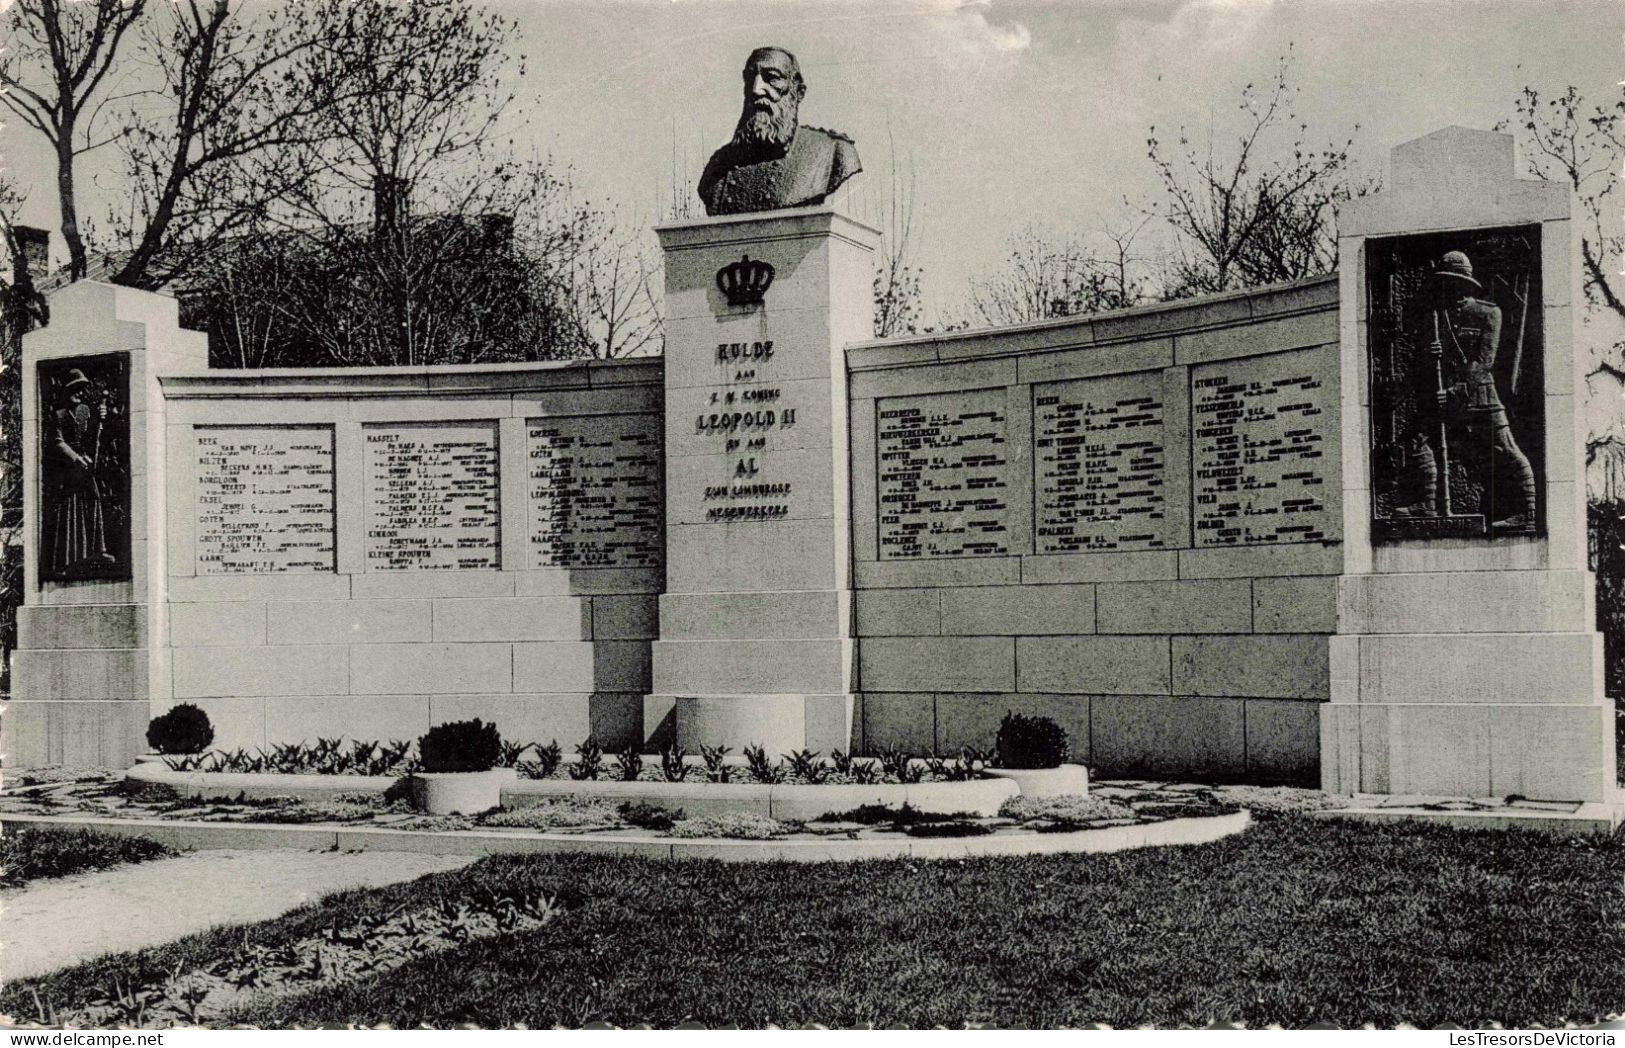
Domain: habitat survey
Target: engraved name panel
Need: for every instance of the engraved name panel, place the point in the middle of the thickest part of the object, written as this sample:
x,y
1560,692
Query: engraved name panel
x,y
595,488
432,496
1262,449
942,485
264,499
1098,464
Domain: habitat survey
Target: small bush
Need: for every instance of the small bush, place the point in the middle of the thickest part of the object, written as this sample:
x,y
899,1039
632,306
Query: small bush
x,y
715,757
589,760
183,729
1030,742
558,814
806,766
30,854
512,754
470,745
674,763
967,766
629,764
546,763
894,762
748,827
761,767
864,773
649,816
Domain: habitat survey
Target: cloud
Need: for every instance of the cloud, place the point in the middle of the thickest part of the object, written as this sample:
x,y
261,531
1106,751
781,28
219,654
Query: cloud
x,y
1207,28
969,26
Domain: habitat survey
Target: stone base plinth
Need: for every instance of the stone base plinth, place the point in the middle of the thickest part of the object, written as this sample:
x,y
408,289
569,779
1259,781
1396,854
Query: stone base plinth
x,y
73,733
1551,753
80,687
777,722
1468,684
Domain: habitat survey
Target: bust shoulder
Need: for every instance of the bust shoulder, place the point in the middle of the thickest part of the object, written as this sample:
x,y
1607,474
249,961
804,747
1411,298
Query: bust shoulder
x,y
831,134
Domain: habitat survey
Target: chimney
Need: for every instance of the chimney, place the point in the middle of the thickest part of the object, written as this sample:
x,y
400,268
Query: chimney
x,y
497,231
33,252
391,203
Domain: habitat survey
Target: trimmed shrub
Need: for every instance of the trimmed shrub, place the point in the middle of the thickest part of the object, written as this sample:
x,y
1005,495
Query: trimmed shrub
x,y
470,745
183,729
1030,742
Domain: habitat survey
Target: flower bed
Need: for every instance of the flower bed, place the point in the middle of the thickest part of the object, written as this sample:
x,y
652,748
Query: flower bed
x,y
797,786
785,800
591,763
605,820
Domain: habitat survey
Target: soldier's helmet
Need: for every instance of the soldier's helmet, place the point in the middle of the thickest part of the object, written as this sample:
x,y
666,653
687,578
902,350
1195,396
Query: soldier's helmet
x,y
1455,266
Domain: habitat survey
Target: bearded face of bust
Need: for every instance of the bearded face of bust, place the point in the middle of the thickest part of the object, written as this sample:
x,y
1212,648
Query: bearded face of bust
x,y
773,93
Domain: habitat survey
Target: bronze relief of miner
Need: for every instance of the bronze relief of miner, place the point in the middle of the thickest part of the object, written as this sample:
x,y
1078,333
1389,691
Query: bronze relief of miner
x,y
774,161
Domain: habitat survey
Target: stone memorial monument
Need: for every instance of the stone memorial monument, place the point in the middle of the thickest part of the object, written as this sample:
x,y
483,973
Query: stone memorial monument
x,y
1330,531
1466,661
755,625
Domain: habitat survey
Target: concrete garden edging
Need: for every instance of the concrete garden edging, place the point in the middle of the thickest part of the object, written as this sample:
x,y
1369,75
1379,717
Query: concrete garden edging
x,y
459,792
1064,781
257,785
781,801
208,835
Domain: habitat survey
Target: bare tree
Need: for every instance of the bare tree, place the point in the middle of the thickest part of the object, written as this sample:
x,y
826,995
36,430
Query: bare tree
x,y
897,279
53,78
1565,139
22,309
407,234
244,98
1260,214
1045,277
611,292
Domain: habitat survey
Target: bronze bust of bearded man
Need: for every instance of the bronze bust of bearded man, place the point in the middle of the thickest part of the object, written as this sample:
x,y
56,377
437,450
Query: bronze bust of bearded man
x,y
774,161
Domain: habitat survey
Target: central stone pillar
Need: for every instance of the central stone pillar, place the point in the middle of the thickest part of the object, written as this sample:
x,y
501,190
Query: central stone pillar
x,y
755,640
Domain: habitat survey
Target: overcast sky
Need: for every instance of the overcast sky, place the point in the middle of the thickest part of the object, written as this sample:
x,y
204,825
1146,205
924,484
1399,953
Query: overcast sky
x,y
1009,114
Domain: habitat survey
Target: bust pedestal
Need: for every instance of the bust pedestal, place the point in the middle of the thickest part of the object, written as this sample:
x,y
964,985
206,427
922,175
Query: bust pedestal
x,y
755,642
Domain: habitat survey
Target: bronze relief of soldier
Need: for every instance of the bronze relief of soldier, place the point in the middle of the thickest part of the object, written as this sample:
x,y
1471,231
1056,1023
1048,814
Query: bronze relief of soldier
x,y
84,475
1453,463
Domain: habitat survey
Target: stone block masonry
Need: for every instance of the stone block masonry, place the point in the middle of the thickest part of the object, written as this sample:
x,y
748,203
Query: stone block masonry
x,y
360,554
1128,523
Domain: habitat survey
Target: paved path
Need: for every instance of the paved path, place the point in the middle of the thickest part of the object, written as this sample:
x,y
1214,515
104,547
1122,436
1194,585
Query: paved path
x,y
54,923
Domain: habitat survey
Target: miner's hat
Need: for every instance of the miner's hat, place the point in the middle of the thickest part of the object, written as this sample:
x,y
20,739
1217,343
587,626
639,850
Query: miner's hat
x,y
1455,265
76,378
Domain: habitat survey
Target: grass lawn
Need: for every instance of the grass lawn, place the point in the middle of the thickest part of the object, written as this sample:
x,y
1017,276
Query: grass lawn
x,y
29,853
1295,922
